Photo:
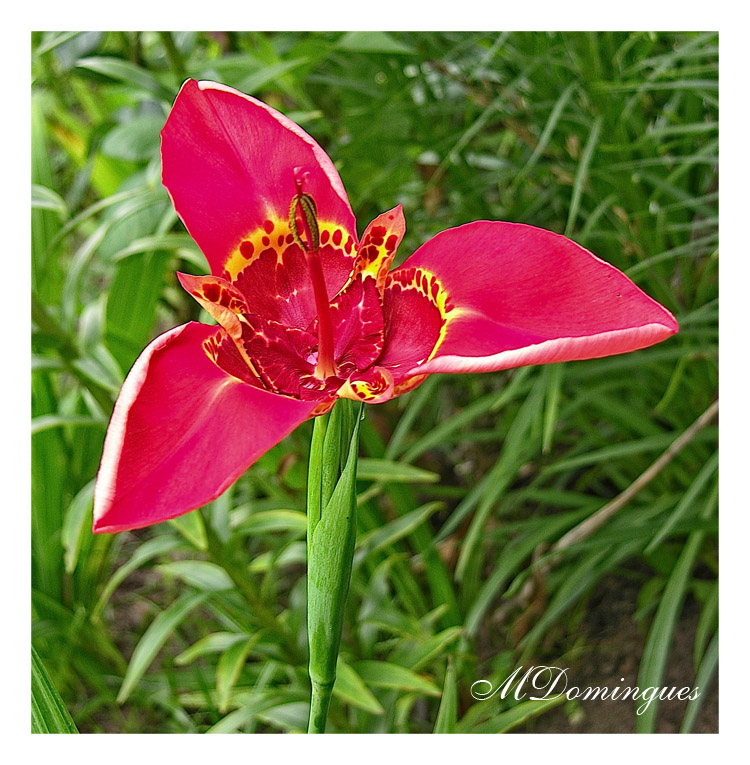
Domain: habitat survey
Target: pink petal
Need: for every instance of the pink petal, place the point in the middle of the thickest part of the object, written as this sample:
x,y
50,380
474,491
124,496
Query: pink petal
x,y
230,355
230,164
182,432
518,295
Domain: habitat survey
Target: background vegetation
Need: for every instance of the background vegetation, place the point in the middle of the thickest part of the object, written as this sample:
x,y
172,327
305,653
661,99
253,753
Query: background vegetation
x,y
471,484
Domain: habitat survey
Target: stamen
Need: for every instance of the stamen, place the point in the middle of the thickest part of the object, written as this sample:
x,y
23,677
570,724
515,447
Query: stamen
x,y
303,205
309,217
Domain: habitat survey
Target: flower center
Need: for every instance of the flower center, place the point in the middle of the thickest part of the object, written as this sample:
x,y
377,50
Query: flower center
x,y
303,222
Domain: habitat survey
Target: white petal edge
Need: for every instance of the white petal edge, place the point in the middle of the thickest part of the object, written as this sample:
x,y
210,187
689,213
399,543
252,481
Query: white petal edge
x,y
104,491
551,351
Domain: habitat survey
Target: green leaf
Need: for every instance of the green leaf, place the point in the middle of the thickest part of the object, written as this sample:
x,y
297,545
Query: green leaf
x,y
48,421
351,689
291,716
384,536
152,548
582,175
229,668
252,705
423,651
136,287
511,560
292,555
708,622
48,712
372,42
448,710
190,525
387,471
253,82
515,450
134,141
43,198
198,573
687,502
703,680
265,521
53,39
176,243
661,632
45,223
156,635
216,642
553,374
518,715
75,524
383,674
123,71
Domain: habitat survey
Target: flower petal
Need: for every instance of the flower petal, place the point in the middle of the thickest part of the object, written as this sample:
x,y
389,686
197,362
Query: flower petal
x,y
379,244
182,432
221,300
519,295
357,318
278,353
373,386
414,310
229,355
231,164
276,281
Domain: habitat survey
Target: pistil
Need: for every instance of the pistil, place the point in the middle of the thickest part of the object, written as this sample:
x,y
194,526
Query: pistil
x,y
303,214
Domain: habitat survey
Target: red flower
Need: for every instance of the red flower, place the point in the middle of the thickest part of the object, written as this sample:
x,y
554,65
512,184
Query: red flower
x,y
308,313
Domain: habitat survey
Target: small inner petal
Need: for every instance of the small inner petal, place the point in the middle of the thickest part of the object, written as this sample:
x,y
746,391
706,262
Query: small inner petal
x,y
279,354
372,386
221,349
220,299
379,243
358,328
417,310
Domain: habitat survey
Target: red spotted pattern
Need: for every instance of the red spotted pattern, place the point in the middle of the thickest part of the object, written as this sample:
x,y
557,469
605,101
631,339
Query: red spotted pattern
x,y
221,349
268,310
280,354
212,291
379,243
276,282
383,324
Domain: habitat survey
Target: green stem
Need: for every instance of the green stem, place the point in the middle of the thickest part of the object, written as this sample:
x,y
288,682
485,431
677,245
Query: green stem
x,y
331,533
176,61
319,702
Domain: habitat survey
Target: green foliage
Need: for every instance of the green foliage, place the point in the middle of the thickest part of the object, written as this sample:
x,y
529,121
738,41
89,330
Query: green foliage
x,y
48,712
466,484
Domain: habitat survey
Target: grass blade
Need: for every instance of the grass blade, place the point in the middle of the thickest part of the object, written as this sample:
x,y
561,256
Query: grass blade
x,y
48,712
